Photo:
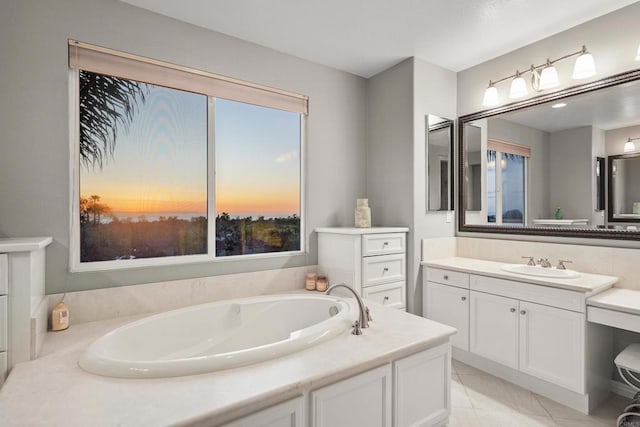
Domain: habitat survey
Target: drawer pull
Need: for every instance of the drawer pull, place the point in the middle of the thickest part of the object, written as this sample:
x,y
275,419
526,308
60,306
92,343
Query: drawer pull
x,y
463,298
513,310
523,312
385,299
385,244
385,269
446,277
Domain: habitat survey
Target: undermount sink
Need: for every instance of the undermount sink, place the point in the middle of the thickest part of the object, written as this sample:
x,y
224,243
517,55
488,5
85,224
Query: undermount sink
x,y
530,270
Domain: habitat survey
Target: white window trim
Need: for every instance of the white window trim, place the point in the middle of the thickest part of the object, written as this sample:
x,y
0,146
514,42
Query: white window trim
x,y
75,266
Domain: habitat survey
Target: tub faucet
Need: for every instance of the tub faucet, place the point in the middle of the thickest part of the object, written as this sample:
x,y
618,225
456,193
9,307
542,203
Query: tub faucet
x,y
364,317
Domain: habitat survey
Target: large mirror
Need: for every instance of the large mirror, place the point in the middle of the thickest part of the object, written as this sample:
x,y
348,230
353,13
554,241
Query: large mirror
x,y
624,190
439,170
536,167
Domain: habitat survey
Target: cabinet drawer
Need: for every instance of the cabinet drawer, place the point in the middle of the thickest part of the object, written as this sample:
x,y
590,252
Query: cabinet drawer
x,y
382,244
389,294
382,269
561,298
3,323
4,274
448,277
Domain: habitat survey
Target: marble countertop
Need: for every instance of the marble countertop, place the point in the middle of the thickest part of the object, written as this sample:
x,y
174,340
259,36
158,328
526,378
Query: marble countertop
x,y
355,230
54,390
588,283
625,300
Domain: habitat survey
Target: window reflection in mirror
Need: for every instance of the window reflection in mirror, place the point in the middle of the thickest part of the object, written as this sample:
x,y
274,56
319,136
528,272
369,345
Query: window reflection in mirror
x,y
439,176
624,190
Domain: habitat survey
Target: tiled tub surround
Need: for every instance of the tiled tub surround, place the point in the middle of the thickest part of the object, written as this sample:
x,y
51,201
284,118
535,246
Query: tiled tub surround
x,y
109,303
53,387
530,330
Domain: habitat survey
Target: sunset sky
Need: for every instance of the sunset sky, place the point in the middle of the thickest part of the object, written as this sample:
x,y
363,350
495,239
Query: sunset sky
x,y
159,167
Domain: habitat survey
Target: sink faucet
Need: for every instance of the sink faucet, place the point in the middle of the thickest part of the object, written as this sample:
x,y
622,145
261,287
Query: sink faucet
x,y
544,262
531,261
364,317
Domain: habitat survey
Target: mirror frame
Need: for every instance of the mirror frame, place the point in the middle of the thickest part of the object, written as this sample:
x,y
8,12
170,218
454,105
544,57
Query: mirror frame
x,y
446,124
610,191
591,233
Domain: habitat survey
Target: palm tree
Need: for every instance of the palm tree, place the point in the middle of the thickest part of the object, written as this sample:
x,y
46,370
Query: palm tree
x,y
107,103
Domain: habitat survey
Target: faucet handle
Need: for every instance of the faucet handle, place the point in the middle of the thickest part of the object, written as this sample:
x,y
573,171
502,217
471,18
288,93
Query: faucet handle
x,y
531,261
369,318
561,263
356,328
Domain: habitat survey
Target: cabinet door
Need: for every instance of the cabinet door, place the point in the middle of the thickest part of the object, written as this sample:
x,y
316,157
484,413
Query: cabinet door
x,y
363,400
422,388
494,328
552,345
286,414
449,305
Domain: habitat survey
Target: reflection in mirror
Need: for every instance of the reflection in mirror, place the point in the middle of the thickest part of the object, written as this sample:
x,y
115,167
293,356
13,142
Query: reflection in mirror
x,y
439,177
624,188
533,167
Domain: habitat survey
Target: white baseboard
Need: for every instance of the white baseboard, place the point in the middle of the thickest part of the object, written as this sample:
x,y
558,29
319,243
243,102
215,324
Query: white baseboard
x,y
622,389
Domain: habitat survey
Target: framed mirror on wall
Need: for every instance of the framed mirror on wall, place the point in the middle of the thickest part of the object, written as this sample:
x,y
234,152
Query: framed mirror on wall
x,y
439,166
537,167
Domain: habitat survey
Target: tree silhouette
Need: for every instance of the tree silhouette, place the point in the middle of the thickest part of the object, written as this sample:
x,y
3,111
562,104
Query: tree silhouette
x,y
107,103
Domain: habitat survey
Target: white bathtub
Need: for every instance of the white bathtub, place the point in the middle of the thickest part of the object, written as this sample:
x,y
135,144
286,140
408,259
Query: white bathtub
x,y
219,335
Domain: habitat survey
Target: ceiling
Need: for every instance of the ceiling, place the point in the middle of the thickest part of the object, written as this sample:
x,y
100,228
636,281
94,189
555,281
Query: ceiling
x,y
610,108
365,37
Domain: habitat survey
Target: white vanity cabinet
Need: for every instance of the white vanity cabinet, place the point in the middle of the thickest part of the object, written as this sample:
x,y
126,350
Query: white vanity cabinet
x,y
533,334
287,414
370,260
411,391
446,300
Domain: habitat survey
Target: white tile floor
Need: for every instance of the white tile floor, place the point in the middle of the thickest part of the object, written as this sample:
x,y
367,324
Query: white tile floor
x,y
480,399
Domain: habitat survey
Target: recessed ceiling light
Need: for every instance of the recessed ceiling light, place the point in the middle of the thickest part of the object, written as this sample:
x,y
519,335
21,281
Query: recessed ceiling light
x,y
559,105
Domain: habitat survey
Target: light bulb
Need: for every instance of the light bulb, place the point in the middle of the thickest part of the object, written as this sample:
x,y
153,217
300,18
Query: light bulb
x,y
548,77
490,96
585,67
629,146
518,87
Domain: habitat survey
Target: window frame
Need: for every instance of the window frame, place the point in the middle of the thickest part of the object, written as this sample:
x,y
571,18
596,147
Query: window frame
x,y
75,264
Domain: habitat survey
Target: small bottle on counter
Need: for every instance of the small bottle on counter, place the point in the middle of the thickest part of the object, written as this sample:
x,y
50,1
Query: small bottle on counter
x,y
321,283
310,283
60,317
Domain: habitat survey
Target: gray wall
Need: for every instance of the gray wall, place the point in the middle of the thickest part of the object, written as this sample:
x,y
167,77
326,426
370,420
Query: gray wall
x,y
34,118
538,164
399,99
570,173
608,38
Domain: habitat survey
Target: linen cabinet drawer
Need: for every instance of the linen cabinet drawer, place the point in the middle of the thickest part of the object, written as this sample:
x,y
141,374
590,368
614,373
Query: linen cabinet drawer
x,y
382,269
389,294
448,277
3,323
4,274
382,244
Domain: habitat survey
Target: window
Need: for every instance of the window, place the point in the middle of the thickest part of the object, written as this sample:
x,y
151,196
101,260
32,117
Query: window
x,y
506,182
169,171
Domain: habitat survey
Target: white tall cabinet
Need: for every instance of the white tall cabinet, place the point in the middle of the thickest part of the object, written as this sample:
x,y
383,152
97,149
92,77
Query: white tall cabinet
x,y
23,310
370,260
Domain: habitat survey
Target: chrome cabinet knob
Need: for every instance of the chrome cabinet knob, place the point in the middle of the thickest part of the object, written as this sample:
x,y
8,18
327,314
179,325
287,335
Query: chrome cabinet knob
x,y
385,243
446,277
523,312
463,298
385,269
513,310
386,298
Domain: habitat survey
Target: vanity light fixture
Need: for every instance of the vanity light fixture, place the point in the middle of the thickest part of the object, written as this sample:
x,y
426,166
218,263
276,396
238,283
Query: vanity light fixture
x,y
543,77
630,146
518,87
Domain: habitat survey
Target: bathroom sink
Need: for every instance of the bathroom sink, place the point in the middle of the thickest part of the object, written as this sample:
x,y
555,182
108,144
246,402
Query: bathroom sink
x,y
530,270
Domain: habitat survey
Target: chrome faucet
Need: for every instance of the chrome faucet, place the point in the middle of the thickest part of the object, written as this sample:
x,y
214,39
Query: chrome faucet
x,y
561,263
544,262
364,317
531,261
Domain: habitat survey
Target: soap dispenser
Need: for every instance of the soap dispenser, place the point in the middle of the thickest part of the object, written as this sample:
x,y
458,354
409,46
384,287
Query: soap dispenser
x,y
60,317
